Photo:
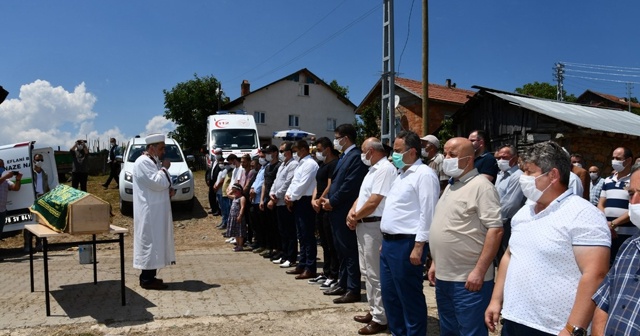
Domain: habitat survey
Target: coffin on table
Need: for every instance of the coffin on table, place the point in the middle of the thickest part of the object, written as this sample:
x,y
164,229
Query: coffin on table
x,y
69,210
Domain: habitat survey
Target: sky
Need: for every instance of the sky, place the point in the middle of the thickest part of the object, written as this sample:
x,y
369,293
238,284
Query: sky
x,y
97,69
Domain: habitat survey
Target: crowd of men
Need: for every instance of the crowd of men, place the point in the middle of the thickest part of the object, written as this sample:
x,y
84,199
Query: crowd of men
x,y
550,227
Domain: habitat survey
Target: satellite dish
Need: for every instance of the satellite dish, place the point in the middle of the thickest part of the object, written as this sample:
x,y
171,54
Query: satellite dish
x,y
397,101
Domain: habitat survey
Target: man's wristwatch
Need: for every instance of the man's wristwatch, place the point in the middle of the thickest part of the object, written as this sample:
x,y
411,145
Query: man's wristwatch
x,y
575,331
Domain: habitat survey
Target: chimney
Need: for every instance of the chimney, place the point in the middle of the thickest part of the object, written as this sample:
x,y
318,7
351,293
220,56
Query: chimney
x,y
449,82
245,88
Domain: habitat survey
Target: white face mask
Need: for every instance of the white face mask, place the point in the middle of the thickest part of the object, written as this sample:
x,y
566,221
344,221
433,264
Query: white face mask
x,y
262,161
281,156
296,157
320,157
504,165
337,145
269,157
634,214
594,176
450,167
578,164
529,189
617,165
364,159
424,153
39,164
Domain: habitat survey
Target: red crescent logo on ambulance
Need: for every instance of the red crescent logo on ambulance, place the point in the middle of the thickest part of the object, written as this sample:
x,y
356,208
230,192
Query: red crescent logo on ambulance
x,y
222,123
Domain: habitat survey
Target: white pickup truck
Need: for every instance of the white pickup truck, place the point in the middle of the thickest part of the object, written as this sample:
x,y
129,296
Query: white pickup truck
x,y
19,157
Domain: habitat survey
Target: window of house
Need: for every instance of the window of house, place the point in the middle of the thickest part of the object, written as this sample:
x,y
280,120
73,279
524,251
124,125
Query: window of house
x,y
259,117
294,120
331,124
304,89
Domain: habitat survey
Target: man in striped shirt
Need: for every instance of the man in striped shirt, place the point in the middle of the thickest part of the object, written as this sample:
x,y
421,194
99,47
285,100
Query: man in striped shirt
x,y
614,200
618,308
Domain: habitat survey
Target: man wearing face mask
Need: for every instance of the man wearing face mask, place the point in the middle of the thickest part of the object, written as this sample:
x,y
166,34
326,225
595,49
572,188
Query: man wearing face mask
x,y
257,215
210,177
577,167
614,199
271,220
617,311
80,165
286,222
343,191
557,256
433,158
364,217
464,240
114,166
508,186
405,224
596,185
153,244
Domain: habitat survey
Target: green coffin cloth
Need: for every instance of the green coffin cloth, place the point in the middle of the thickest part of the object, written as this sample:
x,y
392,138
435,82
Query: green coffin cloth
x,y
53,207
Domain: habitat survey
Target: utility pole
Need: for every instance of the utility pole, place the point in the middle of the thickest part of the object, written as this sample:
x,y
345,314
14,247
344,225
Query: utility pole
x,y
425,67
388,116
629,88
558,76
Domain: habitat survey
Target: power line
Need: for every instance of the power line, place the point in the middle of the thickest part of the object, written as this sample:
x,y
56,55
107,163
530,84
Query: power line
x,y
602,79
628,69
290,43
408,34
603,73
323,42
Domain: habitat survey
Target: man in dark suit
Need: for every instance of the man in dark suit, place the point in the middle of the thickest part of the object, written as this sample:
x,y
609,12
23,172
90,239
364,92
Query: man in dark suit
x,y
210,178
344,189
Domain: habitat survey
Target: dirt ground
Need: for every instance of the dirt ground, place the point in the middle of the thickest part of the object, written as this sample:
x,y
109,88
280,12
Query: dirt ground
x,y
333,321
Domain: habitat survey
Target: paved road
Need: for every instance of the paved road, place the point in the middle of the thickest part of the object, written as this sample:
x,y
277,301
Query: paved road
x,y
204,283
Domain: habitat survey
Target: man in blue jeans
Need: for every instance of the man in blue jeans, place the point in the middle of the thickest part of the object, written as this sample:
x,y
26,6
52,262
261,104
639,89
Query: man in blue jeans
x,y
465,235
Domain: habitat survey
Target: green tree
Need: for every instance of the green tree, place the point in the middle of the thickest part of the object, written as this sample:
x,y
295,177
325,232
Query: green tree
x,y
368,123
188,104
544,90
342,90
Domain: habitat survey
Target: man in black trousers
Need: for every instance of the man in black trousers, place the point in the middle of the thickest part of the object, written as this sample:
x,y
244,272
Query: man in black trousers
x,y
210,178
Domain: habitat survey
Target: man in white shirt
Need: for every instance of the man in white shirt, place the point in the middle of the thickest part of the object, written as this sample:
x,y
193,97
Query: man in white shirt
x,y
364,217
405,224
298,197
238,174
558,253
286,222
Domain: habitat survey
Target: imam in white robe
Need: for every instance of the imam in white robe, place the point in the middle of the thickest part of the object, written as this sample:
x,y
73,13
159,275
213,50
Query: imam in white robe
x,y
153,244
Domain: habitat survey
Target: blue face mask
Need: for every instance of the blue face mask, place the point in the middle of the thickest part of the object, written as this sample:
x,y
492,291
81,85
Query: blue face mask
x,y
397,159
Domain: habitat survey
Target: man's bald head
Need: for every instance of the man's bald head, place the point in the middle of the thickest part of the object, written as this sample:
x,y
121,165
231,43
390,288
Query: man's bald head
x,y
458,147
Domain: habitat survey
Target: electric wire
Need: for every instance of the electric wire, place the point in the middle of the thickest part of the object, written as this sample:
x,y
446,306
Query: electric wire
x,y
323,42
290,43
408,34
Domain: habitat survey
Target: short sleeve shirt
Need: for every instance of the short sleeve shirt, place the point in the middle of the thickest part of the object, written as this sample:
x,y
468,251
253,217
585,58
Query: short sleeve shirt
x,y
617,203
486,164
542,276
4,194
463,215
377,181
325,171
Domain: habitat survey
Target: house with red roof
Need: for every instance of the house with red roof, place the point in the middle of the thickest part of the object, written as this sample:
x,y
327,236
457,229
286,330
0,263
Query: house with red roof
x,y
593,98
444,101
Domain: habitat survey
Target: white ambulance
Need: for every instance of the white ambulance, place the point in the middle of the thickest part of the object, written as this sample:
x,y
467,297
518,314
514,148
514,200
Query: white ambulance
x,y
232,132
18,157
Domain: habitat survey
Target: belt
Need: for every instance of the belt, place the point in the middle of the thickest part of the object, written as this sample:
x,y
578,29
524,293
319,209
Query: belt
x,y
399,236
370,219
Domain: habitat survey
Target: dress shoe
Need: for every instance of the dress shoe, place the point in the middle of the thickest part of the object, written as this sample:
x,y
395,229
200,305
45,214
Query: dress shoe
x,y
306,275
336,290
372,328
363,318
295,271
348,297
155,284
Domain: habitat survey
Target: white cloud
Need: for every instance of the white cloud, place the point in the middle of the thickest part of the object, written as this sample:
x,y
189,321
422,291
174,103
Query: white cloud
x,y
55,117
159,124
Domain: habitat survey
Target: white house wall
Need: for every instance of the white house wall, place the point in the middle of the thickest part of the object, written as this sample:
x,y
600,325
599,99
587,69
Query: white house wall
x,y
282,99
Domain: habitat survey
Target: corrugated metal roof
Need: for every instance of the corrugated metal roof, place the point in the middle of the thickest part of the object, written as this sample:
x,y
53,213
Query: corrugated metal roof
x,y
596,118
